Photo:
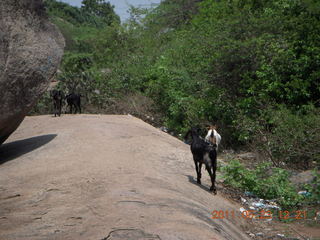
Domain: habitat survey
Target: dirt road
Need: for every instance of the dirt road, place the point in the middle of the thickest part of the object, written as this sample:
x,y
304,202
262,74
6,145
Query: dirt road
x,y
105,177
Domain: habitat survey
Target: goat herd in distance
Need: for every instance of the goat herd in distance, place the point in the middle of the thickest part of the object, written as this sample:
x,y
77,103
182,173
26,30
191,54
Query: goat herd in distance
x,y
73,100
204,151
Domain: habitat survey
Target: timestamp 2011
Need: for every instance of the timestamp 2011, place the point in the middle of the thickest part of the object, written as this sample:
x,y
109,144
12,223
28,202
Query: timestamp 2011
x,y
258,214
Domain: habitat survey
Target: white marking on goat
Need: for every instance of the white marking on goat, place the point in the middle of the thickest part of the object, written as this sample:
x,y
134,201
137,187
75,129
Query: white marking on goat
x,y
216,138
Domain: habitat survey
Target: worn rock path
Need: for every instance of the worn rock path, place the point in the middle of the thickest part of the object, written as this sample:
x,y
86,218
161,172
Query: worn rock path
x,y
105,177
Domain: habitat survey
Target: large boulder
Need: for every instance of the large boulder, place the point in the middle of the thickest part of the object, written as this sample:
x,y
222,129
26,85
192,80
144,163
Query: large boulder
x,y
30,51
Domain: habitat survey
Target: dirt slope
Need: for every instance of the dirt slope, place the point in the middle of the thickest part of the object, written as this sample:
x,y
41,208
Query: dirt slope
x,y
104,177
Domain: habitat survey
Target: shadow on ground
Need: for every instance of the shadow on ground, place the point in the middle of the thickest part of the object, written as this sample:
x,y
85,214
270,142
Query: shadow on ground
x,y
192,180
12,150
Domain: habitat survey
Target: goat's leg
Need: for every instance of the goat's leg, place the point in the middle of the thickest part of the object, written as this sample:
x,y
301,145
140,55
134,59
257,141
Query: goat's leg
x,y
197,170
60,106
200,166
70,108
76,108
55,108
213,179
78,104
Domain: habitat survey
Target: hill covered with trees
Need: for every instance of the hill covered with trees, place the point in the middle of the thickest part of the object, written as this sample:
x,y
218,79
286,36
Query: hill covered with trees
x,y
251,66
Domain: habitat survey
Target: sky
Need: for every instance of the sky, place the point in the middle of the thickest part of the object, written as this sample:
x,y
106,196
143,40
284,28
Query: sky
x,y
121,6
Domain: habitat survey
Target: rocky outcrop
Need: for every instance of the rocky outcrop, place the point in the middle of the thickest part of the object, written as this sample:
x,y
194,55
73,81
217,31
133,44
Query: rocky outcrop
x,y
107,177
30,51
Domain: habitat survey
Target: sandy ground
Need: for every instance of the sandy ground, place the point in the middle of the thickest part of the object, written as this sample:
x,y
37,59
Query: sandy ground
x,y
105,177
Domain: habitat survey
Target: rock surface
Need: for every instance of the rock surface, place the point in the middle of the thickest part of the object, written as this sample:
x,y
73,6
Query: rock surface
x,y
302,178
30,51
106,177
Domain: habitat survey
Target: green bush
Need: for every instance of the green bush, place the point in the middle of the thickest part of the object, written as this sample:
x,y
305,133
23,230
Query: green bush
x,y
314,188
43,106
250,66
283,136
264,182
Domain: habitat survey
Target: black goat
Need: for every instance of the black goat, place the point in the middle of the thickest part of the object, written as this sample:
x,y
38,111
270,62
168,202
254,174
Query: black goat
x,y
57,97
74,99
203,153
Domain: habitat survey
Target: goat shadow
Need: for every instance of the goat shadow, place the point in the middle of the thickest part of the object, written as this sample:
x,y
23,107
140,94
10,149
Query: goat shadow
x,y
192,180
12,150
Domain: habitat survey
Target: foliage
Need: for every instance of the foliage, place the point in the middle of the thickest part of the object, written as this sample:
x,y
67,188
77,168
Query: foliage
x,y
43,106
284,137
264,182
314,188
173,13
101,9
251,66
95,13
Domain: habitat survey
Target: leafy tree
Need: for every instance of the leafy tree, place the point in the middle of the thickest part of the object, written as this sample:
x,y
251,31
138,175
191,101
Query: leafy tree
x,y
101,9
251,66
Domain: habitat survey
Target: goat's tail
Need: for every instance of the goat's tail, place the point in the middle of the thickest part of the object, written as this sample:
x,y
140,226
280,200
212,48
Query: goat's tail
x,y
213,139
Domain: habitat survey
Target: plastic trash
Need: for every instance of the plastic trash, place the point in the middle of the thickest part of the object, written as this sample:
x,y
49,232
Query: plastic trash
x,y
304,193
164,129
271,207
249,194
258,204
